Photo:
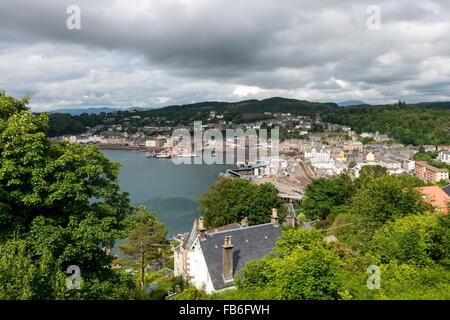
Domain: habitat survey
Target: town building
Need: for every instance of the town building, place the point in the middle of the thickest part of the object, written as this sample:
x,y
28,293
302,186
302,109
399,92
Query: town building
x,y
444,156
429,173
429,148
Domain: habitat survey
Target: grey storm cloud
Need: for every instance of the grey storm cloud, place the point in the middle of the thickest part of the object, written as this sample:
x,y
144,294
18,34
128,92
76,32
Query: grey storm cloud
x,y
158,52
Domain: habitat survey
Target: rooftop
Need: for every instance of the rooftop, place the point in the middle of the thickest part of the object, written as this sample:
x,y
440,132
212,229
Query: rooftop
x,y
430,167
446,189
436,197
249,243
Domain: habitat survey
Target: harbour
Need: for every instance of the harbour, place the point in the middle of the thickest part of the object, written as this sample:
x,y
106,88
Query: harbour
x,y
168,189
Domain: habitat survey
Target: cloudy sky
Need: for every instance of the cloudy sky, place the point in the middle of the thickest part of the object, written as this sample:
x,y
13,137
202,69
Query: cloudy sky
x,y
151,53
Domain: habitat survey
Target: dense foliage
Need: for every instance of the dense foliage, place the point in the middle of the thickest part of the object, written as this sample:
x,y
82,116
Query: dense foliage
x,y
379,220
64,124
406,124
324,194
230,200
60,205
149,232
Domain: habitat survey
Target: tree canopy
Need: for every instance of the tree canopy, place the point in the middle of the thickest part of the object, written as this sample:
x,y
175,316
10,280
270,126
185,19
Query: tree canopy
x,y
60,205
230,200
323,194
383,223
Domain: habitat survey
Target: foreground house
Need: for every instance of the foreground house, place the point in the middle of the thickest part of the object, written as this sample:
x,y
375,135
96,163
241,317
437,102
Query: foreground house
x,y
437,197
210,259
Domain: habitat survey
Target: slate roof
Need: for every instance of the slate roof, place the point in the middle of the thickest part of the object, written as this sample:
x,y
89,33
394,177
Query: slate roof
x,y
447,189
191,237
249,243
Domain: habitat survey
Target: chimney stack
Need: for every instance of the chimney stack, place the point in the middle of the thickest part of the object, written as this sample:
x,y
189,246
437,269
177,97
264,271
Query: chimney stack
x,y
201,227
274,217
244,222
227,259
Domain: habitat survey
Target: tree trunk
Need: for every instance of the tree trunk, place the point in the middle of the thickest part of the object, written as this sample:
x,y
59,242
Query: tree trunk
x,y
142,266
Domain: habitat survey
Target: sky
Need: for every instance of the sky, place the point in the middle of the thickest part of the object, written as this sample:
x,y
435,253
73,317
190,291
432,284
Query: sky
x,y
153,53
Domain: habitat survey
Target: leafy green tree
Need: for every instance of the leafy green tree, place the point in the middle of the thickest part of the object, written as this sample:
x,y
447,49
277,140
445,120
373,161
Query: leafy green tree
x,y
147,237
399,281
407,240
389,197
64,201
368,173
353,230
305,270
441,241
22,277
230,200
323,194
293,239
412,124
191,293
146,242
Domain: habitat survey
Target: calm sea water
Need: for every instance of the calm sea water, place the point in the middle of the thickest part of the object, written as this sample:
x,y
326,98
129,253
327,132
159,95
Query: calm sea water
x,y
170,190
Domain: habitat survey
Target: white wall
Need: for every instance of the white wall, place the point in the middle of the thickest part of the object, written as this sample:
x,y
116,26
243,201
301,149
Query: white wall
x,y
198,268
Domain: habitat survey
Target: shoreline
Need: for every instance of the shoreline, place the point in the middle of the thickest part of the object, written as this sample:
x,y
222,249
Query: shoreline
x,y
128,148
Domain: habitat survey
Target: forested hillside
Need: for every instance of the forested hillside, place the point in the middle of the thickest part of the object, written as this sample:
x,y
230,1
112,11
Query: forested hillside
x,y
409,124
406,124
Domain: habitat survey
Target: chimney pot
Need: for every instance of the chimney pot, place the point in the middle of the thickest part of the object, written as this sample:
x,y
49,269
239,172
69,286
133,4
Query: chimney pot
x,y
274,217
227,259
244,222
201,227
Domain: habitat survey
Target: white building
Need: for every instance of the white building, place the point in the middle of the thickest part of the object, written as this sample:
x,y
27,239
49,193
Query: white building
x,y
444,156
314,153
150,143
210,259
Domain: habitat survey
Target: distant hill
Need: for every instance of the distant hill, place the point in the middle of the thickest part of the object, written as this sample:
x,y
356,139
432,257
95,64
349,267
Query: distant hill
x,y
78,111
253,106
439,104
351,103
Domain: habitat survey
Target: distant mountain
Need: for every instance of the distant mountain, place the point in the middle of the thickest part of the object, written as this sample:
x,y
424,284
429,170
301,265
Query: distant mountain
x,y
351,103
78,111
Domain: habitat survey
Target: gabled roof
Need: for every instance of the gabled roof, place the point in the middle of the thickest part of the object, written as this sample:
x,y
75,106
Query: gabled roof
x,y
249,243
190,239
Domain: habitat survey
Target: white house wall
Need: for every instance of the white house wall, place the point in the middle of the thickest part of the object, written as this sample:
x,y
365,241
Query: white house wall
x,y
198,268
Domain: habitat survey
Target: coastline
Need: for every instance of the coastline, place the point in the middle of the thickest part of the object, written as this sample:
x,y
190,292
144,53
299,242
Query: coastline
x,y
128,148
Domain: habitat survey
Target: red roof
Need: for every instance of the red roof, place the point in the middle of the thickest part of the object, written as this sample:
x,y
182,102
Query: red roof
x,y
436,197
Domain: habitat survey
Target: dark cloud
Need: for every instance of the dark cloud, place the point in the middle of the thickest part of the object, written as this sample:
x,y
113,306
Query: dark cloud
x,y
158,52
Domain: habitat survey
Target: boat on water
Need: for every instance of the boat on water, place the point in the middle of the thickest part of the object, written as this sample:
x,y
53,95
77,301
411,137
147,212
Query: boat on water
x,y
150,155
163,156
186,155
